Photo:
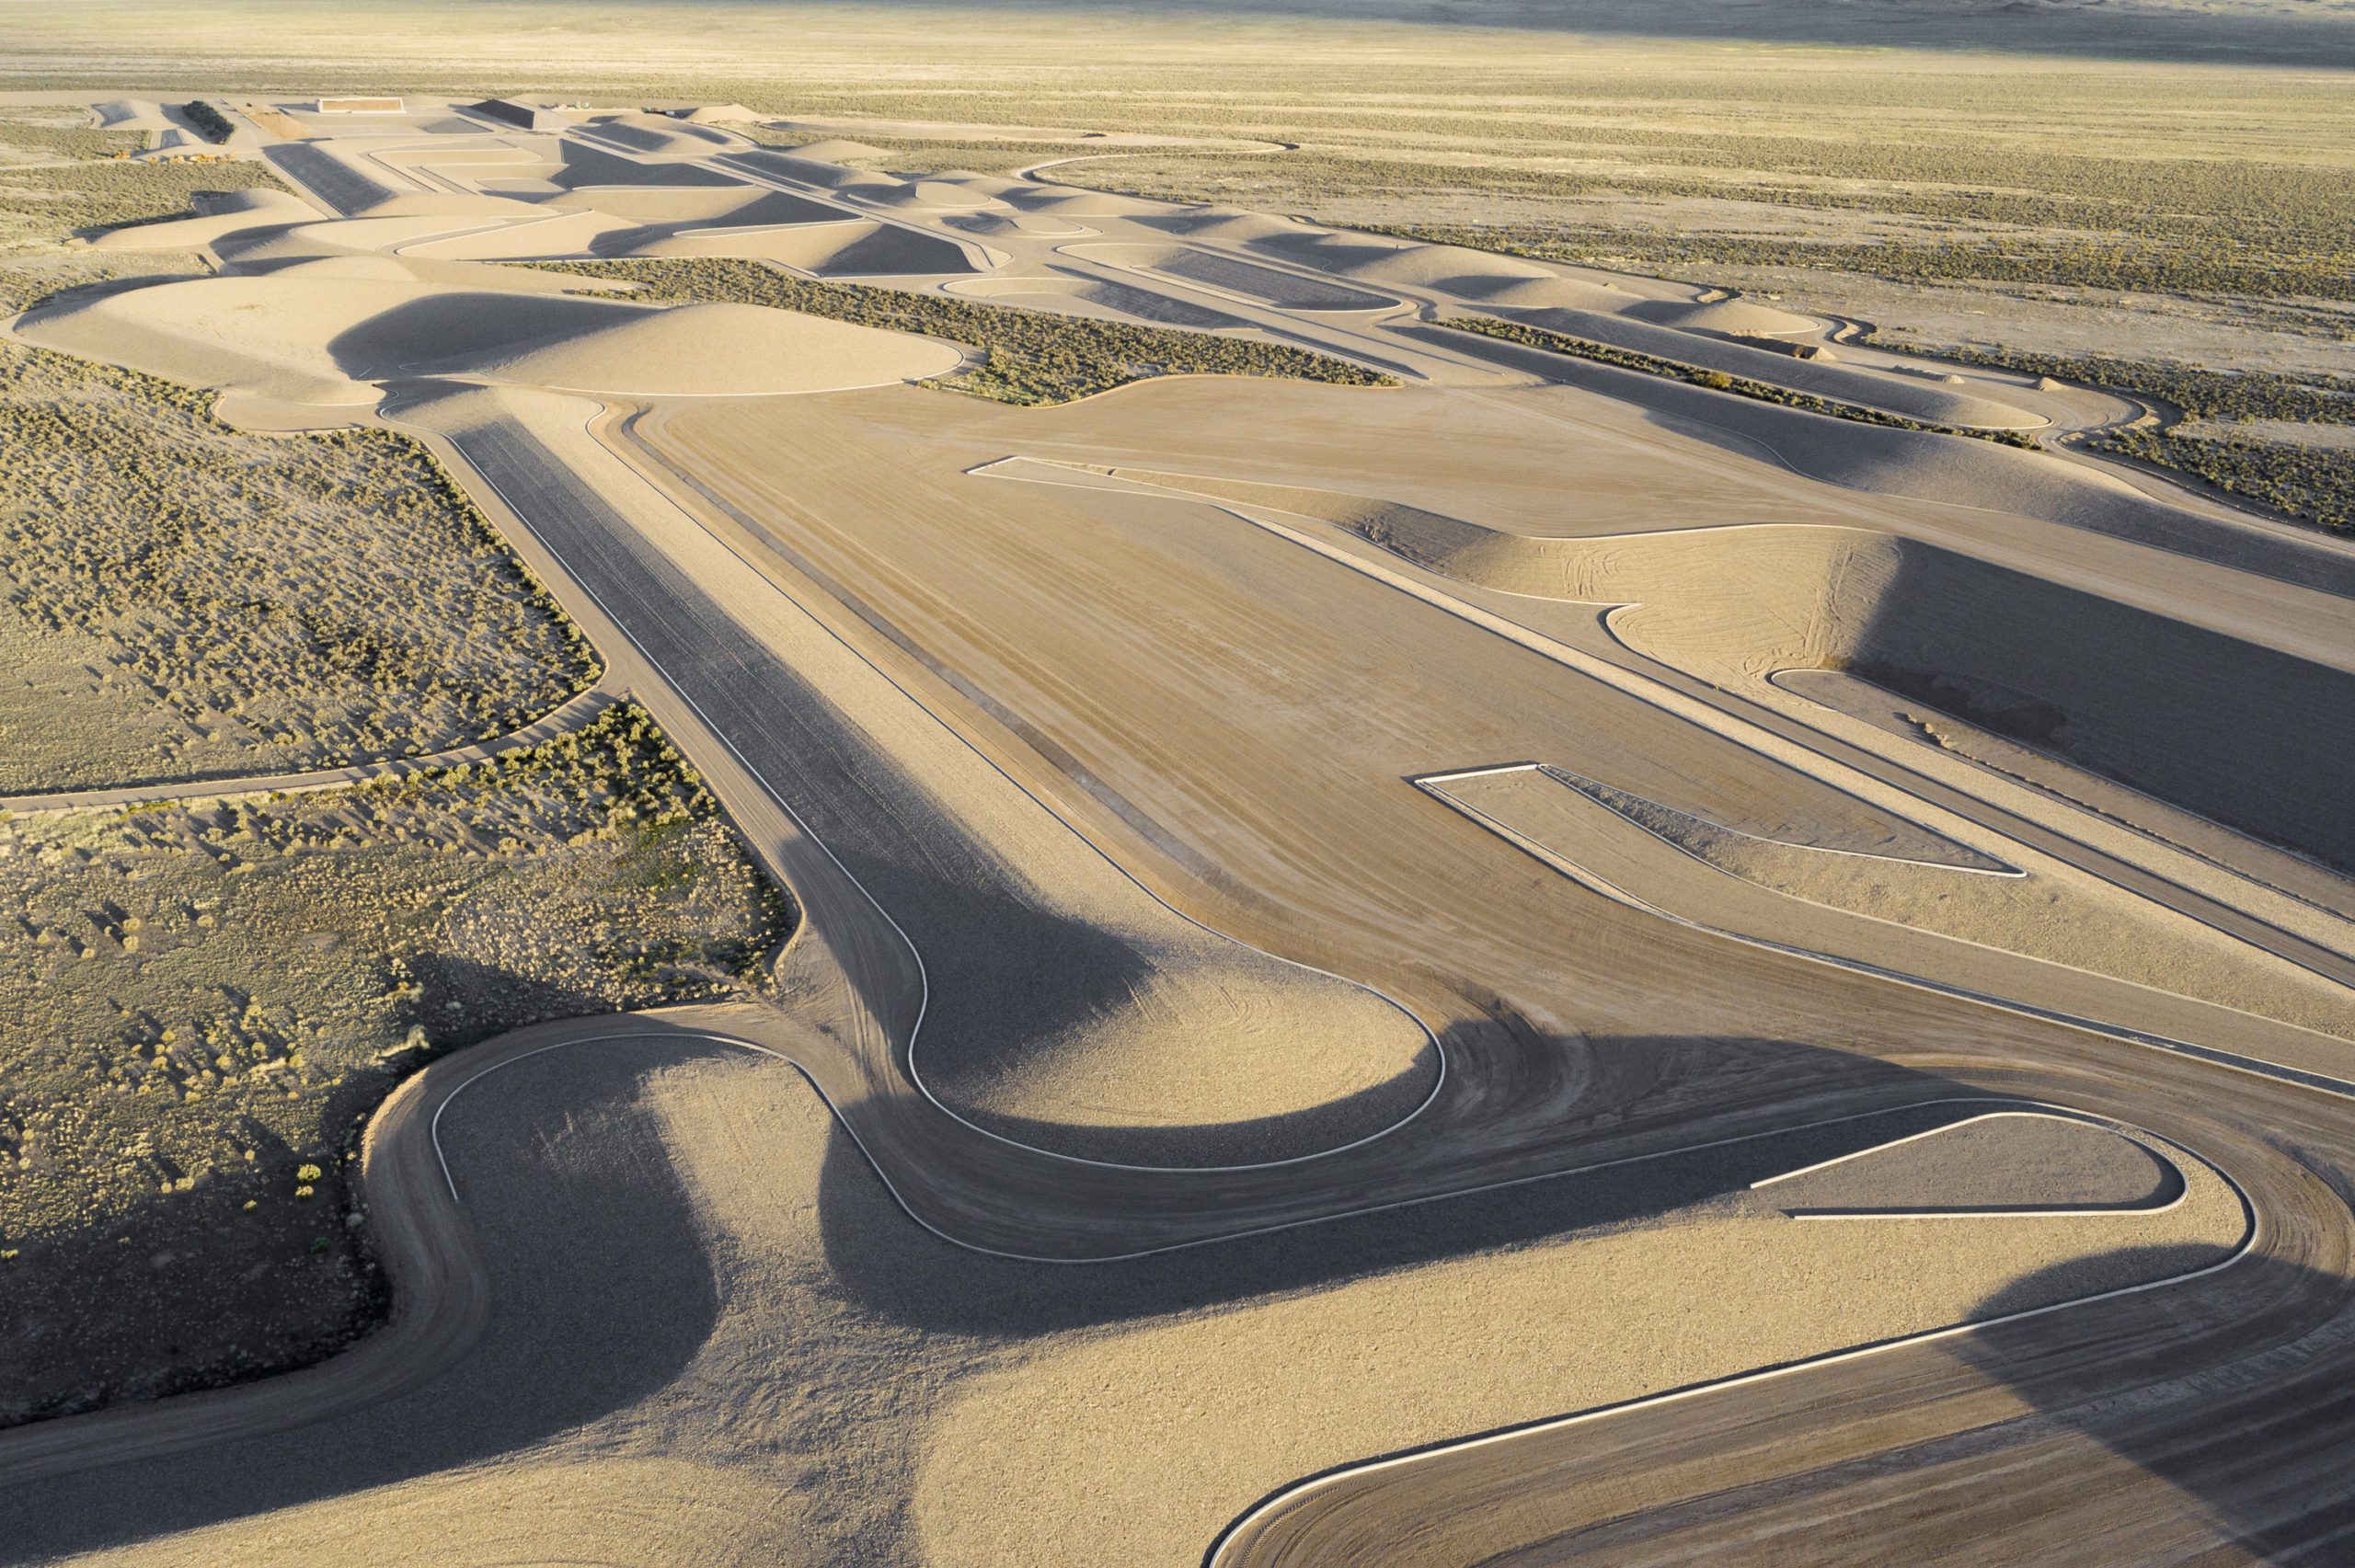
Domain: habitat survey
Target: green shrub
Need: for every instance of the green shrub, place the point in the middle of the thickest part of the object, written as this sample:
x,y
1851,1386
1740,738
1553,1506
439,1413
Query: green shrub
x,y
1715,381
1029,357
210,121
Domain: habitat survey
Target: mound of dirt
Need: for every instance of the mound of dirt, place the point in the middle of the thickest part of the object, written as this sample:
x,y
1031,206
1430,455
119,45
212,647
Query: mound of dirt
x,y
1074,294
362,265
1372,258
1450,268
990,184
451,204
1081,203
546,234
706,349
1234,224
253,250
817,172
659,136
2235,731
253,211
857,247
289,256
837,150
724,114
261,335
698,206
254,198
935,195
1550,293
319,334
129,114
1036,225
1732,317
1180,1038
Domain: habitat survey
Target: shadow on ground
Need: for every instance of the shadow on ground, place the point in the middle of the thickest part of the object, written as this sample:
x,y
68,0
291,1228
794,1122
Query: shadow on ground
x,y
602,1290
925,1283
604,1278
224,1282
2255,1441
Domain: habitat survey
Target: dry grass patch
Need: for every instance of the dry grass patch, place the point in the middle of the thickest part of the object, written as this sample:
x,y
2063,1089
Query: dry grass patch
x,y
57,175
200,1003
257,603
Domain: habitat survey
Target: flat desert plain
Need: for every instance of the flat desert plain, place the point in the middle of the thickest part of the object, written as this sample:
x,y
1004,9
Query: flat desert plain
x,y
1191,816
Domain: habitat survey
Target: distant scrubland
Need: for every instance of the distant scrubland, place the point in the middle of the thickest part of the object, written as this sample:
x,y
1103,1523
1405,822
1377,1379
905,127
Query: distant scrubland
x,y
58,174
1926,196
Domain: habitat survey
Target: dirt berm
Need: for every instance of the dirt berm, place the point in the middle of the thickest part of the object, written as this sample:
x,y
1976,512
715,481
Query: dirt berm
x,y
1921,465
1931,405
2250,736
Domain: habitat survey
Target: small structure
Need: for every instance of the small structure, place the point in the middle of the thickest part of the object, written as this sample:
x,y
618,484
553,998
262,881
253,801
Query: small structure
x,y
362,106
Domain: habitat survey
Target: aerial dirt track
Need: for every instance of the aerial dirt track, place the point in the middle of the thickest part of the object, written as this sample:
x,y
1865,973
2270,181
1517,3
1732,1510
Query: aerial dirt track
x,y
2303,1225
1207,1051
2126,1429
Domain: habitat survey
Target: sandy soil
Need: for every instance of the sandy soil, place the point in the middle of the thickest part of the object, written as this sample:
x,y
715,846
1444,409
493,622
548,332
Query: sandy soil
x,y
289,334
1007,1431
2006,1159
1061,1000
1013,731
2043,913
1848,596
2299,880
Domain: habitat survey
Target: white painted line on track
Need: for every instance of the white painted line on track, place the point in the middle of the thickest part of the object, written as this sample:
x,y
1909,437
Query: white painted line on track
x,y
1439,1050
1333,1217
1593,789
1883,1147
1430,783
1218,1551
1776,746
1655,694
1600,884
922,976
2076,1211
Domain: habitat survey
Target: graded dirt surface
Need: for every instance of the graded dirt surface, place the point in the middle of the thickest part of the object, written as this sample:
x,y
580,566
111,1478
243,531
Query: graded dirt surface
x,y
2006,1162
286,332
1059,1000
1011,1380
1537,962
